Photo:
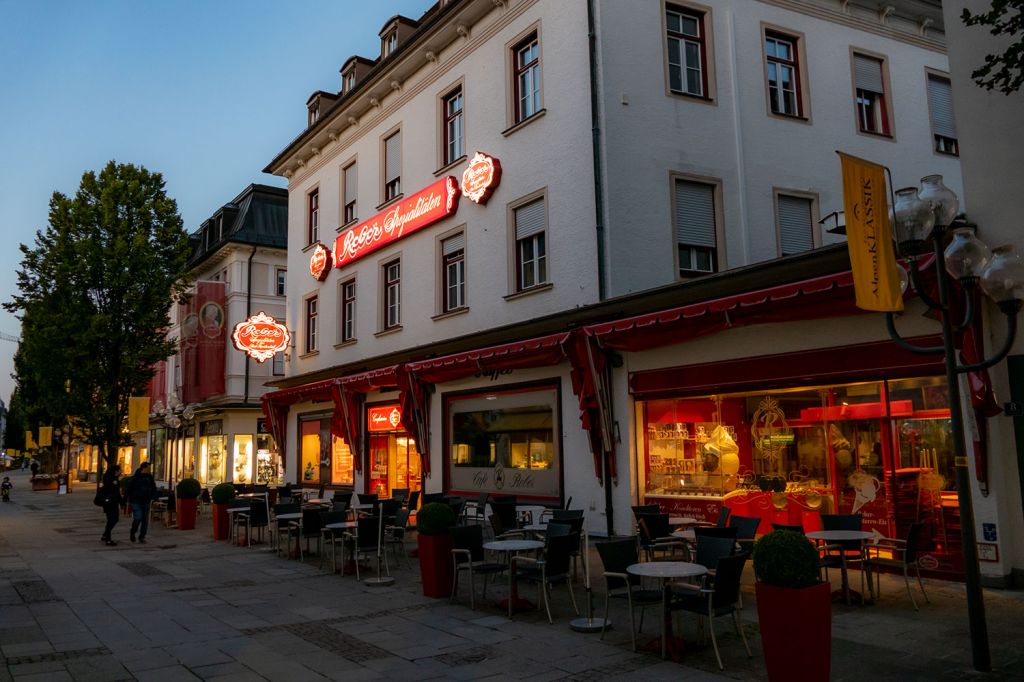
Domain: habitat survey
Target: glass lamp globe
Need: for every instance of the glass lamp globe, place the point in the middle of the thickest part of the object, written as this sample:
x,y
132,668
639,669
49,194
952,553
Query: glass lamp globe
x,y
966,255
1003,278
188,413
943,200
913,219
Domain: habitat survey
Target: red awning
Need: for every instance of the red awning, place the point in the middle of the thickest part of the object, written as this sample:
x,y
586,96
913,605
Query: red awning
x,y
828,296
539,352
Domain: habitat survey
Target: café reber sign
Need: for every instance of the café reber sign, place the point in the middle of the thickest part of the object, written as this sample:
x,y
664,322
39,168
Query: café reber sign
x,y
436,202
481,177
320,262
260,337
383,418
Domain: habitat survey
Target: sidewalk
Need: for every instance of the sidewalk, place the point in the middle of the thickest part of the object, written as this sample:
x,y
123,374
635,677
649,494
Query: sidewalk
x,y
185,607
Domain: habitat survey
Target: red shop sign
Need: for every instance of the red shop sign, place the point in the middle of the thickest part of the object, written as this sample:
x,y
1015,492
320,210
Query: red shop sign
x,y
320,262
383,418
426,207
481,177
260,337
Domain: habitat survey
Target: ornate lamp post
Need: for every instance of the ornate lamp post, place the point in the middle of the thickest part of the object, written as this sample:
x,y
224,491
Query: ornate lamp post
x,y
923,219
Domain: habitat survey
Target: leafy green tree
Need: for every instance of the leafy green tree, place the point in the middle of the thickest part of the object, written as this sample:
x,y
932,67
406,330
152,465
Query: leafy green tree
x,y
1004,71
95,292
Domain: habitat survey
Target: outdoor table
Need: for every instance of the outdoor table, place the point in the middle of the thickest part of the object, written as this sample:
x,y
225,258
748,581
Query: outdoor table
x,y
512,547
843,536
666,571
686,534
231,520
682,521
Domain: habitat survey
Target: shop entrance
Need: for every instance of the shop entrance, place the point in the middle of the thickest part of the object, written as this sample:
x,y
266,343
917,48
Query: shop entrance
x,y
394,459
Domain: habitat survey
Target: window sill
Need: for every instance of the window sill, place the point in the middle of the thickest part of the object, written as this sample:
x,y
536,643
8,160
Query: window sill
x,y
389,330
309,354
703,99
395,200
446,168
525,122
347,225
344,344
309,247
529,292
880,136
788,117
451,313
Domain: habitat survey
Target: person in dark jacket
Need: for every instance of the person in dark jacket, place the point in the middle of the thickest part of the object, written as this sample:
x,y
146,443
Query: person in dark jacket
x,y
110,493
141,492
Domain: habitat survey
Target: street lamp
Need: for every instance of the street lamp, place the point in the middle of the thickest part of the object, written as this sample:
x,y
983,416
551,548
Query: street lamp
x,y
923,218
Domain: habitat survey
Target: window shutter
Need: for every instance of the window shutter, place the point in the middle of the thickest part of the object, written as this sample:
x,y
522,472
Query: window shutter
x,y
940,99
796,232
350,184
868,74
393,157
453,244
695,214
530,219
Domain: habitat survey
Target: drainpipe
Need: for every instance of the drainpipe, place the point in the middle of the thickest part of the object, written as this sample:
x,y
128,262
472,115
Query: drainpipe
x,y
248,313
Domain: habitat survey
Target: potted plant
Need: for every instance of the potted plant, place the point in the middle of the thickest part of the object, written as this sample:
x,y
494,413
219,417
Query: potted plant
x,y
221,495
434,544
187,497
44,482
794,607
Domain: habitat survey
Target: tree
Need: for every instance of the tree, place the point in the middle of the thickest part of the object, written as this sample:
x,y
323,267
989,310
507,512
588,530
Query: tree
x,y
95,293
1003,72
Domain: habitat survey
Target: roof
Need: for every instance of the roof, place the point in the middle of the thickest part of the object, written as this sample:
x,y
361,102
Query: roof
x,y
257,216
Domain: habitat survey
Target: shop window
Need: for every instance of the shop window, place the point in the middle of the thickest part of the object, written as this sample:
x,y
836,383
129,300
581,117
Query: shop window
x,y
394,458
213,446
452,131
696,229
870,95
687,51
158,446
526,78
124,458
940,107
795,218
242,459
323,458
505,442
268,462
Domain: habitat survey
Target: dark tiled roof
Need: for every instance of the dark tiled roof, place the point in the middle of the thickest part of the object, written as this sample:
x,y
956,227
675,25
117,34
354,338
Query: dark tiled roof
x,y
258,216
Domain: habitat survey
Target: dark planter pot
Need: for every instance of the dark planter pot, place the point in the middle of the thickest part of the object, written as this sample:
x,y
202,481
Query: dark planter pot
x,y
435,555
187,514
221,523
796,631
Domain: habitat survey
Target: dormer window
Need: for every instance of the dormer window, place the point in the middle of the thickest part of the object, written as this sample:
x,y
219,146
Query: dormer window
x,y
314,113
348,82
389,44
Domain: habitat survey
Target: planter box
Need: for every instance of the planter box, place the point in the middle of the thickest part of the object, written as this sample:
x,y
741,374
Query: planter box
x,y
44,484
435,555
796,631
221,522
187,513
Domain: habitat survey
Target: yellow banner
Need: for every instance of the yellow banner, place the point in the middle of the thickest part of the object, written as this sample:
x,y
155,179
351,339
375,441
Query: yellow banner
x,y
30,441
138,414
45,436
869,236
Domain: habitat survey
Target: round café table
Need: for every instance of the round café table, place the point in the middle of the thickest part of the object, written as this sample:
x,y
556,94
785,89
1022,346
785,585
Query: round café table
x,y
844,536
667,571
511,548
682,521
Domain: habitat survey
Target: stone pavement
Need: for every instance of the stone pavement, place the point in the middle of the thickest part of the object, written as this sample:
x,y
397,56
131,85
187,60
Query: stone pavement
x,y
185,607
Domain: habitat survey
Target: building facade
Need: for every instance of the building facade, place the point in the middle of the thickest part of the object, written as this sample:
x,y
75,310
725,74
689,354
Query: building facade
x,y
610,268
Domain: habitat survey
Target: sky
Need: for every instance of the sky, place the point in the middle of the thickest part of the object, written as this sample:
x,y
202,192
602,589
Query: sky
x,y
205,92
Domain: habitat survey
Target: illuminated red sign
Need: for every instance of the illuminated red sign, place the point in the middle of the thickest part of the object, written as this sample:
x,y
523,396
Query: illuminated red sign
x,y
481,177
320,262
260,337
383,418
436,202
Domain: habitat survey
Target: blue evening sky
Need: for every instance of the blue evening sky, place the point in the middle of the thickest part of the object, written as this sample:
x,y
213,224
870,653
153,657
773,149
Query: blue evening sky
x,y
206,92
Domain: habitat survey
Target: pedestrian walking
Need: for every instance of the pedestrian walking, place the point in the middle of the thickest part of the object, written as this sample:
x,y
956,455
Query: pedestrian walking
x,y
141,492
35,468
5,489
109,497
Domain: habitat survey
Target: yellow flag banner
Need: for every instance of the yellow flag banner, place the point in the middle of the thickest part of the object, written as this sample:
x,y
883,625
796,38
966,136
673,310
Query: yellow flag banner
x,y
138,414
30,441
45,436
869,236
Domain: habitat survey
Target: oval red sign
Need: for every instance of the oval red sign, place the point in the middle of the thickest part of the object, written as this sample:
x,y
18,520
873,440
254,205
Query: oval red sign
x,y
260,337
320,262
481,177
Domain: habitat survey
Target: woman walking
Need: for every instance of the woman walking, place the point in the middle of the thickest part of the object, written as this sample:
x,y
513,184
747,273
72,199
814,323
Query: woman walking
x,y
141,492
110,495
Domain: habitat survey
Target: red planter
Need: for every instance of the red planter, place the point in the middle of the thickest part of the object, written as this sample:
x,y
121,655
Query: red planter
x,y
435,555
221,523
796,631
187,514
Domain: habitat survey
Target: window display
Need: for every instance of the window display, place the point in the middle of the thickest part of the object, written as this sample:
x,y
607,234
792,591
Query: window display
x,y
212,453
124,458
243,458
394,459
309,447
268,462
323,458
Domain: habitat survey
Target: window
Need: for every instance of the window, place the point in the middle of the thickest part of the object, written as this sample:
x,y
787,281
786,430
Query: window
x,y
392,294
278,368
314,114
393,166
348,81
389,44
348,310
869,85
350,191
312,323
313,217
940,105
783,74
796,224
687,51
452,126
696,231
281,286
531,249
527,78
453,255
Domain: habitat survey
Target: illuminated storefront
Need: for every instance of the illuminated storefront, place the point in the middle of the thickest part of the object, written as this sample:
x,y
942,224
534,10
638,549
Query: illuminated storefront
x,y
212,453
394,461
323,459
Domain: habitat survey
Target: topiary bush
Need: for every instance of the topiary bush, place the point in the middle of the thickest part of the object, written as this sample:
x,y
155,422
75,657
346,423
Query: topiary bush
x,y
188,489
786,559
222,493
435,518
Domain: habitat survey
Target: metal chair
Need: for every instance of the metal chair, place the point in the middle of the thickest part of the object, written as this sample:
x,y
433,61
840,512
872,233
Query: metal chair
x,y
837,554
255,517
332,537
553,568
616,556
280,528
395,534
468,555
720,600
366,542
903,553
746,529
656,536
